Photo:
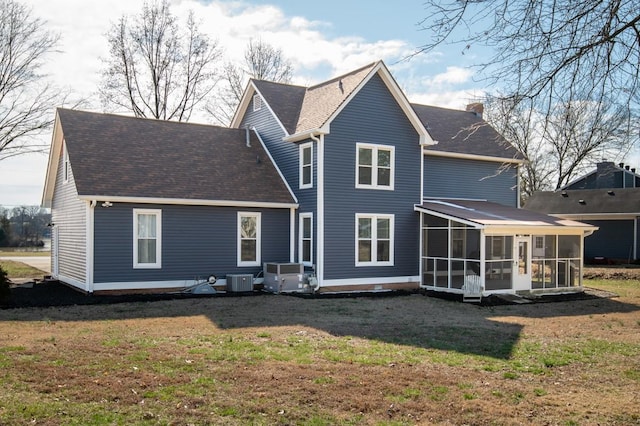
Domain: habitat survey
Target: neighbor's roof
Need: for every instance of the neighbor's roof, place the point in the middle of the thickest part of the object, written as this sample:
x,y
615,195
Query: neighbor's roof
x,y
586,201
486,214
463,132
118,156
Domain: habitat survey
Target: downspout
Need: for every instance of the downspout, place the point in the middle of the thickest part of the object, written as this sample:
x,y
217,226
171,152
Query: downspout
x,y
320,210
89,246
292,233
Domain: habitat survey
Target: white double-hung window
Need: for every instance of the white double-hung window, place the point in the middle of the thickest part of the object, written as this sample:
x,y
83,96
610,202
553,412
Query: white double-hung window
x,y
306,165
147,238
374,240
375,166
249,238
305,248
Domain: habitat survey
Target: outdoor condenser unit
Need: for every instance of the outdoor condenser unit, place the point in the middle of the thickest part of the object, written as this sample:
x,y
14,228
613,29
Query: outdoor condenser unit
x,y
284,277
239,282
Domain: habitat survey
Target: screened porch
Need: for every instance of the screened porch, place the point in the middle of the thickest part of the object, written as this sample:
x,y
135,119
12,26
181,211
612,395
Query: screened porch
x,y
498,253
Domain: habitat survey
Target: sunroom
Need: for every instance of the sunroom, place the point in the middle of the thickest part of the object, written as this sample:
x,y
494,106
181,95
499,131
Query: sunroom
x,y
478,248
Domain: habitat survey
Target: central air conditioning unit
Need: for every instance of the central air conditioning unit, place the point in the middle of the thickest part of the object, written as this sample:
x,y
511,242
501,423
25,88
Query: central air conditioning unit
x,y
285,277
238,283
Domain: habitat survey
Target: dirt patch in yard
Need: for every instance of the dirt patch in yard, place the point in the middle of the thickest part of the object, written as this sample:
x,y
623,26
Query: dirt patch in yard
x,y
274,359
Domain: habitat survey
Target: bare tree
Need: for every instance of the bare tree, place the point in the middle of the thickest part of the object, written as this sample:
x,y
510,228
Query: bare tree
x,y
567,72
262,61
562,145
26,98
155,70
543,47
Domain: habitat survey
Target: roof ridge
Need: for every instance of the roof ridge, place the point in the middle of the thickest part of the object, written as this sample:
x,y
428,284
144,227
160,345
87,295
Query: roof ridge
x,y
340,77
131,117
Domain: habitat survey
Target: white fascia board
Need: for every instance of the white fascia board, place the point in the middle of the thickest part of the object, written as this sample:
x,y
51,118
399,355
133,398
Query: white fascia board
x,y
399,96
472,157
57,140
538,230
189,202
242,106
597,216
419,208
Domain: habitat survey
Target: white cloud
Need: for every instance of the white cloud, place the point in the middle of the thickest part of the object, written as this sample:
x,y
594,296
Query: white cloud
x,y
453,75
83,26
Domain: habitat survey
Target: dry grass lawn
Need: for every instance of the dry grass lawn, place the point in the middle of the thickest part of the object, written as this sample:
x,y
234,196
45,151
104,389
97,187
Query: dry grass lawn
x,y
286,360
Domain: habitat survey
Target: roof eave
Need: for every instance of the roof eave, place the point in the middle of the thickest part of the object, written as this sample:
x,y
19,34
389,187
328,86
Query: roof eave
x,y
57,139
243,105
307,134
473,156
189,202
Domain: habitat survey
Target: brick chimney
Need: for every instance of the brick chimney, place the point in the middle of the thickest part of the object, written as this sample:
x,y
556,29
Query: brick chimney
x,y
477,108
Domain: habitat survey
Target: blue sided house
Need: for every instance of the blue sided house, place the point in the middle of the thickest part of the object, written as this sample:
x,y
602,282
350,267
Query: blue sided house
x,y
345,185
608,198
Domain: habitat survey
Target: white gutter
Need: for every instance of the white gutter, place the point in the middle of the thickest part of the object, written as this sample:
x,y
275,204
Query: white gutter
x,y
472,156
308,134
189,202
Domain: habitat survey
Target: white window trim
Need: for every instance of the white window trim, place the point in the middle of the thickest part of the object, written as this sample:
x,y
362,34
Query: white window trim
x,y
158,263
374,166
301,239
304,146
257,102
257,261
374,239
65,164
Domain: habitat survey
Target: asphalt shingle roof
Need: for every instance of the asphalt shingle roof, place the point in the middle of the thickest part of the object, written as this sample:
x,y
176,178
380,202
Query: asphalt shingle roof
x,y
487,213
120,156
284,99
586,201
463,132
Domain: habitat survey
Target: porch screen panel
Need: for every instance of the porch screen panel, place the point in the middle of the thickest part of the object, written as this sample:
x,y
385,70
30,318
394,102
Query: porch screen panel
x,y
568,260
499,262
450,251
557,261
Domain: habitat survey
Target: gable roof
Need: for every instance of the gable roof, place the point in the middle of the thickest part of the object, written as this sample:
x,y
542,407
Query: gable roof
x,y
285,101
131,159
463,132
587,202
607,174
323,100
496,218
311,109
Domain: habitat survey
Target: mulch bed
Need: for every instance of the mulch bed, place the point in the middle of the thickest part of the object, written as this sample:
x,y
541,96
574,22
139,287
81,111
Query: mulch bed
x,y
53,293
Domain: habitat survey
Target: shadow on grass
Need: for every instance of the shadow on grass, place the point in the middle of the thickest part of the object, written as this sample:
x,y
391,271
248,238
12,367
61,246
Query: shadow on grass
x,y
409,319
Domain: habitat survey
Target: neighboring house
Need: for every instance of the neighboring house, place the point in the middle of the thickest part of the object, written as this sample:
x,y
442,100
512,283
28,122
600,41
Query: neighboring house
x,y
608,198
348,178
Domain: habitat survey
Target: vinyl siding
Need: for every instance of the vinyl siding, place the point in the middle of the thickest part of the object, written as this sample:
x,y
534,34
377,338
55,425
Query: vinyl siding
x,y
286,157
68,214
197,241
613,240
446,177
373,117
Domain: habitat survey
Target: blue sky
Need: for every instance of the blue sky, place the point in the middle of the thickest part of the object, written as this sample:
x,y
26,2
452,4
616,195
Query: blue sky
x,y
322,39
